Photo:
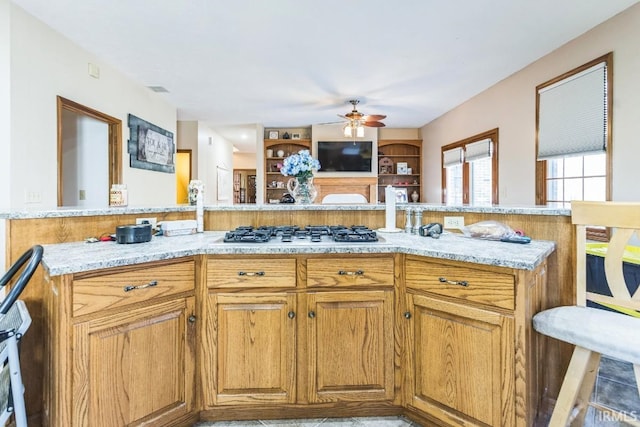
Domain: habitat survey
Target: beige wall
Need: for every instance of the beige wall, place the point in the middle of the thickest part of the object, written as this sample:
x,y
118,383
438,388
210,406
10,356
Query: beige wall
x,y
44,64
187,136
399,133
510,106
244,160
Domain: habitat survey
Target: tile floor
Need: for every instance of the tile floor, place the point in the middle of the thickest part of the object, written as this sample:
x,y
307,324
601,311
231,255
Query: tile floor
x,y
317,422
616,388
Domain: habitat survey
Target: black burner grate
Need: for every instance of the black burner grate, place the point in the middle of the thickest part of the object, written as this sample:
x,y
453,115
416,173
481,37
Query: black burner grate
x,y
313,233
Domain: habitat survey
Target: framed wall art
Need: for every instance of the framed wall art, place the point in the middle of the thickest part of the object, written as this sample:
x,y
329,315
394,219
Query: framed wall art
x,y
401,195
150,147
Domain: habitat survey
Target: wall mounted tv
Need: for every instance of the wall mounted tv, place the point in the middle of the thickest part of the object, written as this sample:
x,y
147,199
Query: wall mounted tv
x,y
345,156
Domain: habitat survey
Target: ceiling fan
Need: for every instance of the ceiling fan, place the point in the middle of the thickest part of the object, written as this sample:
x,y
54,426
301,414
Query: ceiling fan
x,y
372,120
356,121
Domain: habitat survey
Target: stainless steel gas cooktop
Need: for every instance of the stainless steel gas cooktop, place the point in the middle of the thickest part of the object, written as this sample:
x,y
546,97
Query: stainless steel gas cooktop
x,y
310,233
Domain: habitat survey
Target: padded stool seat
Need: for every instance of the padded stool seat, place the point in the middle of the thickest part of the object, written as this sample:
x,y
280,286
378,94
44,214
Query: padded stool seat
x,y
597,330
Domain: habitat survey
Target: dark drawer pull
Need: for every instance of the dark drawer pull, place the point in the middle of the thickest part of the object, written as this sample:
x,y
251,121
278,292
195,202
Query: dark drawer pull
x,y
454,282
245,273
351,273
129,288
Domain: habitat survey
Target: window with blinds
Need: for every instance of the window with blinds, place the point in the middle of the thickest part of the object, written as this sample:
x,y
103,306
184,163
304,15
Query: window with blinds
x,y
574,139
470,170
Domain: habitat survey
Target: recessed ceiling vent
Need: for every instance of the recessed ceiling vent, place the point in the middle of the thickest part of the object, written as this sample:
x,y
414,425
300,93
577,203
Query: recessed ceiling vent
x,y
158,89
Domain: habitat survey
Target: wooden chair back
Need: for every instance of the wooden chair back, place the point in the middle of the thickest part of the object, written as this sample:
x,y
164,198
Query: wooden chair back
x,y
623,219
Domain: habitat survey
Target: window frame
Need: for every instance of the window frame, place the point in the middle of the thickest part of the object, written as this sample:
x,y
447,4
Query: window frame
x,y
492,134
541,165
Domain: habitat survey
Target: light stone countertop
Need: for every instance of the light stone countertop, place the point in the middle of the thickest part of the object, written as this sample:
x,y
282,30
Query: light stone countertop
x,y
65,258
427,207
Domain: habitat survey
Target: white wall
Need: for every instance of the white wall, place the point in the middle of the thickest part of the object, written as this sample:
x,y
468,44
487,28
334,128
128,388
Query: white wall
x,y
43,64
510,106
5,107
85,159
215,160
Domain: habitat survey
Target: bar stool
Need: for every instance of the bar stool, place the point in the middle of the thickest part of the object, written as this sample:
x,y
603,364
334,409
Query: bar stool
x,y
595,331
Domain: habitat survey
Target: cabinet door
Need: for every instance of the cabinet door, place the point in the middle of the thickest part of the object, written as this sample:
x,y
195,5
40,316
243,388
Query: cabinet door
x,y
350,348
461,367
135,367
253,359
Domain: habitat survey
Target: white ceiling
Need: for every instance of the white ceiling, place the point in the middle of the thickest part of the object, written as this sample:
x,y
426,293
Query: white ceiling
x,y
233,63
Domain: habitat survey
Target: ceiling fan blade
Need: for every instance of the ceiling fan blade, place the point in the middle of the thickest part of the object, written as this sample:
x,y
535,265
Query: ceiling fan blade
x,y
343,117
329,123
374,117
373,124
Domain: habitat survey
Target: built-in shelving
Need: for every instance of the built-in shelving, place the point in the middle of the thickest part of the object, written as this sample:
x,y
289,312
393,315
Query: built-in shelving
x,y
390,154
276,183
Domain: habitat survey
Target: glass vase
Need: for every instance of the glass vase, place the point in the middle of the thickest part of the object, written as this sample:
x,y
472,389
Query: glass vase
x,y
302,190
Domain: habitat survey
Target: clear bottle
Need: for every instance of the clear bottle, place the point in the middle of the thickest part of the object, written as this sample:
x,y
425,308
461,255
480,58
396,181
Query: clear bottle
x,y
407,224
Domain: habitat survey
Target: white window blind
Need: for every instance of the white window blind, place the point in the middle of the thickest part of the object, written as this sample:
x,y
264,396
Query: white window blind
x,y
477,150
452,157
573,115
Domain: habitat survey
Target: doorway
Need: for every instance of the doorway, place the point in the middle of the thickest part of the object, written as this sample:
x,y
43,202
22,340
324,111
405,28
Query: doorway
x,y
183,175
81,133
244,186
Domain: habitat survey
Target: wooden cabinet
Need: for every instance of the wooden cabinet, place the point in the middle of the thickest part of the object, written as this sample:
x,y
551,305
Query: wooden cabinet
x,y
135,367
276,150
403,152
350,346
465,364
122,349
253,361
462,367
325,337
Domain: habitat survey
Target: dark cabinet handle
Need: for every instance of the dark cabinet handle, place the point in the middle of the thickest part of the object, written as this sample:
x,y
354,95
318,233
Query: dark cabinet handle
x,y
291,315
407,315
351,273
249,273
312,314
192,319
454,282
130,288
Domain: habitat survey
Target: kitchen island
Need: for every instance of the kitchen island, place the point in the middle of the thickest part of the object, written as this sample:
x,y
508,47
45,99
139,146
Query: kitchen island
x,y
190,327
25,228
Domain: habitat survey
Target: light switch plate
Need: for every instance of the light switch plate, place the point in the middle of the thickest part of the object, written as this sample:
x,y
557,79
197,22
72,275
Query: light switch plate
x,y
454,222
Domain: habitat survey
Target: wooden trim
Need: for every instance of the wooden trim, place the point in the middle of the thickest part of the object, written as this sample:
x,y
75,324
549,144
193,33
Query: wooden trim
x,y
115,141
493,134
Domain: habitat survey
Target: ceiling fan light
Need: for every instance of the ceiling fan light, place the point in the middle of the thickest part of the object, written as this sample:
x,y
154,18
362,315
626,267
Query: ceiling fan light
x,y
347,131
360,131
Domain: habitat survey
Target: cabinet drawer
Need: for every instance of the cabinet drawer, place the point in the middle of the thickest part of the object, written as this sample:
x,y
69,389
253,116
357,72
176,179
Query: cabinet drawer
x,y
251,272
144,282
483,286
341,272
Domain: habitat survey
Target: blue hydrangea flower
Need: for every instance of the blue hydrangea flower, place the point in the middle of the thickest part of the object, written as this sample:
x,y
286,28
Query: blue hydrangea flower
x,y
300,165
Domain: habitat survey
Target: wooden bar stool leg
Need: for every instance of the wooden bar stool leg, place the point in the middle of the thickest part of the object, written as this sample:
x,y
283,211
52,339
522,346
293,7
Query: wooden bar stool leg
x,y
578,383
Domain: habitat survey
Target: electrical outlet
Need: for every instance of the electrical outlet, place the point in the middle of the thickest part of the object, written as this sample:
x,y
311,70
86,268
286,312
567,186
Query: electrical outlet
x,y
454,222
151,221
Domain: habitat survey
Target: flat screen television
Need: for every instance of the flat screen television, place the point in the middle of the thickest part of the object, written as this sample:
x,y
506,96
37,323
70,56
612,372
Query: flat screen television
x,y
345,156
